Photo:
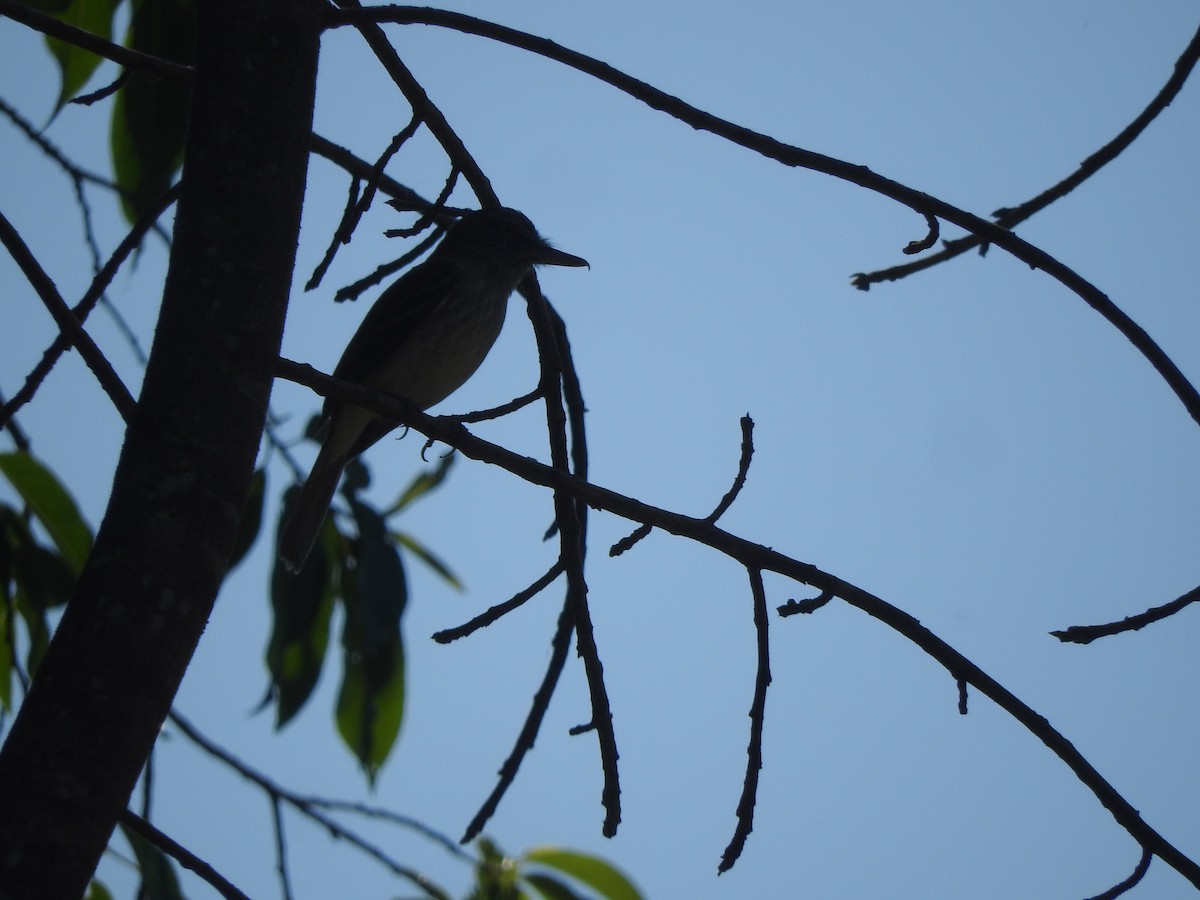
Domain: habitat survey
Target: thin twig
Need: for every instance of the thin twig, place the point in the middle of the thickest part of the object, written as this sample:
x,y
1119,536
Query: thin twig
x,y
359,202
93,294
1010,217
182,855
739,480
68,324
281,864
560,645
500,609
1085,634
296,801
754,762
504,409
1135,877
423,106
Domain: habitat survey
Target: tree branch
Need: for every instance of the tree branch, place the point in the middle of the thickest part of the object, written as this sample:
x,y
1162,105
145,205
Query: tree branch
x,y
756,556
771,148
70,327
1010,217
182,855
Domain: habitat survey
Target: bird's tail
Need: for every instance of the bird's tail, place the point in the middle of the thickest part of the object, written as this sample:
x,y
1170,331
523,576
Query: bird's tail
x,y
308,511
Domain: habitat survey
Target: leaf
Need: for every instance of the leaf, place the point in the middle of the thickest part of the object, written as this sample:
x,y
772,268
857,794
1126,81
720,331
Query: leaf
x,y
42,575
427,556
551,888
598,874
251,521
302,605
159,881
495,875
76,65
97,891
150,115
422,484
51,503
39,580
371,701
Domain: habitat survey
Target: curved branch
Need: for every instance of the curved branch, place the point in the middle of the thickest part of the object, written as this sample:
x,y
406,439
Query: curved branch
x,y
756,556
1085,634
758,707
570,518
926,204
1010,217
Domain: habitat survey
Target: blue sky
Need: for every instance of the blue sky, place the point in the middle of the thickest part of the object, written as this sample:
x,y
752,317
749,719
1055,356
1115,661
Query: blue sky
x,y
972,444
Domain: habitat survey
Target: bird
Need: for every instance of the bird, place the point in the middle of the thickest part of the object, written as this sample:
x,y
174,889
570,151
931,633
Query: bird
x,y
422,339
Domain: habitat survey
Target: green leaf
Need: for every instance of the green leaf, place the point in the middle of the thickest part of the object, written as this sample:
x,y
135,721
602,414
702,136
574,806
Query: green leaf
x,y
51,503
598,874
371,701
75,65
97,891
422,484
251,521
38,627
551,888
35,580
42,575
150,116
302,604
495,875
159,881
427,556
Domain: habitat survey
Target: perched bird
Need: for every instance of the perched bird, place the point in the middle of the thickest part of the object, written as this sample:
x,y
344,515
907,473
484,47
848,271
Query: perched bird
x,y
422,339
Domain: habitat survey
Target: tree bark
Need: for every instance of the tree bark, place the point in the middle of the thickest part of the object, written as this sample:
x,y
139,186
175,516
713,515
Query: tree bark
x,y
108,679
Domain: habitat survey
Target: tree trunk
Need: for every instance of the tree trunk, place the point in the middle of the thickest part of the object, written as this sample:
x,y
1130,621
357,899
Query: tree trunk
x,y
108,679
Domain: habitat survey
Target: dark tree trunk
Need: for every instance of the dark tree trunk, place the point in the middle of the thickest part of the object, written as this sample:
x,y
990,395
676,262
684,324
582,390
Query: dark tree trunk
x,y
106,683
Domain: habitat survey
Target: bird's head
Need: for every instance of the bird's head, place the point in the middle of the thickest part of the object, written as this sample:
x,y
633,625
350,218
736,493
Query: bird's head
x,y
501,238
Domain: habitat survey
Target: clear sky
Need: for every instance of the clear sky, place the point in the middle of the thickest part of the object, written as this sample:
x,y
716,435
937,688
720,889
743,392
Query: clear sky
x,y
973,444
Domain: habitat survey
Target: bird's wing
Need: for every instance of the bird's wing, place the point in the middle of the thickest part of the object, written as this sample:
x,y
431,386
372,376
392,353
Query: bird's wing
x,y
392,319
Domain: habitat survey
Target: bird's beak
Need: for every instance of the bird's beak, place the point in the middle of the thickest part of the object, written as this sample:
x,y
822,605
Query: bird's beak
x,y
548,256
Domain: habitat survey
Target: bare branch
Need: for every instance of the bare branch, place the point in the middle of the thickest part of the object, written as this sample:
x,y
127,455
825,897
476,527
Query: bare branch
x,y
745,808
84,307
739,480
559,647
1010,217
360,168
358,203
423,106
69,326
1085,634
1132,881
281,865
756,556
926,204
305,806
182,855
500,609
